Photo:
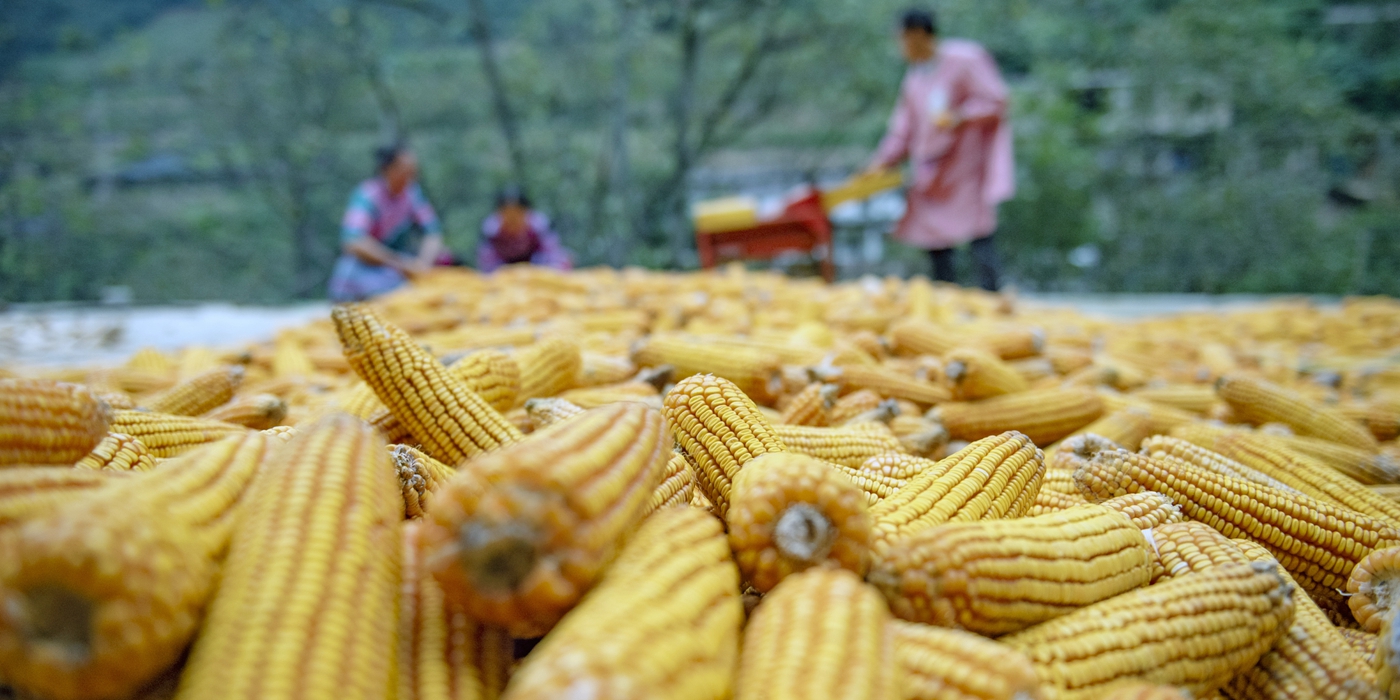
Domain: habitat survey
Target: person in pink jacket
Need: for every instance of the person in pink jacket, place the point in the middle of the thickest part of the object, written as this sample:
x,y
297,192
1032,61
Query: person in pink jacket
x,y
951,124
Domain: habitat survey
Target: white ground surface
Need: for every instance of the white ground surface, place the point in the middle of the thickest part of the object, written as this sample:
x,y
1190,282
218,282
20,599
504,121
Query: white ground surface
x,y
36,335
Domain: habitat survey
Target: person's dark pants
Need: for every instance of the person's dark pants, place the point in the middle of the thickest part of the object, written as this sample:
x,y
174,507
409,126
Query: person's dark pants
x,y
984,257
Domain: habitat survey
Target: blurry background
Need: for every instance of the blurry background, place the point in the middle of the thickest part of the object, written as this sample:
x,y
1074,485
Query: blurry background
x,y
205,149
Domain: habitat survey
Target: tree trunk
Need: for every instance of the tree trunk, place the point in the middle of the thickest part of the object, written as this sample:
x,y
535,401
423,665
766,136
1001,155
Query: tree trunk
x,y
613,216
673,204
480,28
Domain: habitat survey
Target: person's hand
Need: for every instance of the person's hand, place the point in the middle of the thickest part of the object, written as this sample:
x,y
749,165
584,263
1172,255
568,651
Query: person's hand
x,y
412,268
947,119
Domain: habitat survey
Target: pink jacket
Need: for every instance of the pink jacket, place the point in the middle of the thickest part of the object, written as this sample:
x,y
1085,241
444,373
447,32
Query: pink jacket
x,y
959,175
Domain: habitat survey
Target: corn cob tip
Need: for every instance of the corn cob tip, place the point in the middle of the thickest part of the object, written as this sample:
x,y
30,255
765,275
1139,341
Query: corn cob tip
x,y
804,533
498,557
658,376
1087,445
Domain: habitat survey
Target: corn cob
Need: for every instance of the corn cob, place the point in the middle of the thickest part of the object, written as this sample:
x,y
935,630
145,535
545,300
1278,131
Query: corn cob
x,y
944,664
671,603
1373,587
169,436
281,432
1382,419
113,399
289,358
1365,467
1147,509
978,374
256,411
1158,634
919,436
849,446
812,406
1311,660
1161,418
310,613
1053,501
720,429
857,405
1257,401
874,485
677,486
101,595
595,396
789,512
755,372
118,453
1386,660
521,552
28,493
1176,450
1362,643
1391,491
419,477
919,337
1191,547
443,654
1299,472
597,369
198,394
546,412
996,477
1127,428
138,381
149,359
820,634
548,368
885,382
46,422
1317,542
1146,691
452,422
1044,415
999,576
897,465
490,373
1196,398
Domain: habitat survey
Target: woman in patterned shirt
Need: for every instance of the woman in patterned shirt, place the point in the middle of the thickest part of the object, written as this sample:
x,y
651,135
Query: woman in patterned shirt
x,y
380,234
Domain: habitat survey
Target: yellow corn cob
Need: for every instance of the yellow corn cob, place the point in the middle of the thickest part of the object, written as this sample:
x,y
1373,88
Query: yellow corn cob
x,y
812,406
198,394
1311,660
196,360
996,477
149,359
1044,415
1052,501
672,602
874,485
595,396
1258,401
978,374
720,429
1196,398
1161,417
289,358
897,465
820,634
548,368
1386,660
119,453
597,369
1373,587
168,436
1011,342
1365,467
521,552
1382,419
443,654
103,594
452,422
46,422
138,381
849,446
1127,428
1391,491
360,401
34,491
885,382
546,412
1146,691
490,373
944,664
999,576
854,404
1191,547
309,612
1299,472
1176,450
755,372
920,436
113,399
419,477
918,337
1317,542
677,486
281,432
1147,509
256,411
1362,643
1158,634
789,512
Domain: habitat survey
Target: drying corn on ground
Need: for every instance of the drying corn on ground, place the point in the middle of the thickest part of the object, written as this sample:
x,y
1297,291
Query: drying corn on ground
x,y
625,484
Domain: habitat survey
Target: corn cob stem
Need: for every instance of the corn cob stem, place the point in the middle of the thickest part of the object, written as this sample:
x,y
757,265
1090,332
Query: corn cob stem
x,y
119,453
820,634
310,615
1237,611
45,422
720,429
675,591
520,552
198,394
101,595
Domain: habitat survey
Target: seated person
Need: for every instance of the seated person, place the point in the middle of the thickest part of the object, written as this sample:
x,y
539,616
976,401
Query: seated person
x,y
380,234
515,233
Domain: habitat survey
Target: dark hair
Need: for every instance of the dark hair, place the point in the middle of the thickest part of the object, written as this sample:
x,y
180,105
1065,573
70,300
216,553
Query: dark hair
x,y
512,194
916,19
384,156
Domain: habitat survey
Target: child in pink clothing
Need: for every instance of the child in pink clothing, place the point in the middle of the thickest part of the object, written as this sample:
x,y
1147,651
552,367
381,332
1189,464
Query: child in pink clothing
x,y
951,124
